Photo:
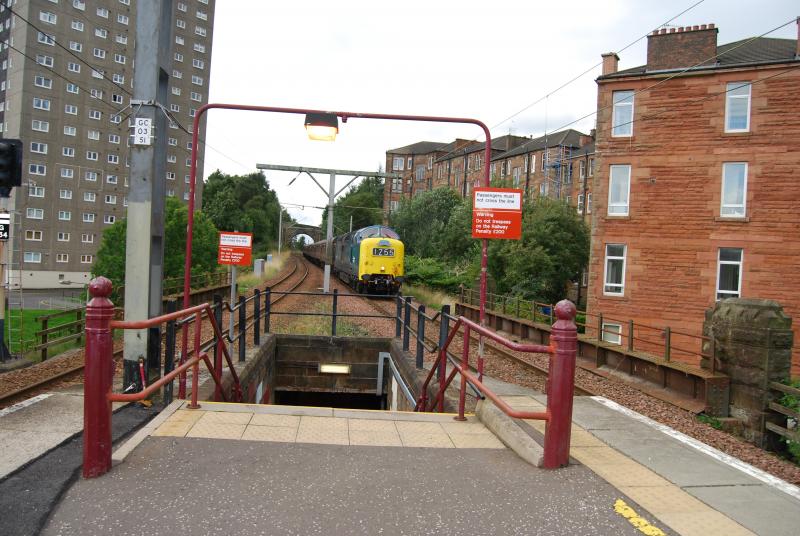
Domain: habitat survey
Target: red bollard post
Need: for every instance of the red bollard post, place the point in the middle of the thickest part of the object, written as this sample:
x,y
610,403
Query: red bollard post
x,y
561,387
98,379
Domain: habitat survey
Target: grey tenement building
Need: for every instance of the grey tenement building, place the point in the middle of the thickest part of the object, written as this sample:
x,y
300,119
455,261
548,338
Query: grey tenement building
x,y
66,82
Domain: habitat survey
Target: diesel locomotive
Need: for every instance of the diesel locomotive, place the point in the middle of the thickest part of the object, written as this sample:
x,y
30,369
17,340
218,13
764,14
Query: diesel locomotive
x,y
370,260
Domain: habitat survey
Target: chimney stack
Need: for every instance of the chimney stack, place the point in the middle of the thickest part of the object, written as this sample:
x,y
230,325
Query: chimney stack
x,y
610,63
682,47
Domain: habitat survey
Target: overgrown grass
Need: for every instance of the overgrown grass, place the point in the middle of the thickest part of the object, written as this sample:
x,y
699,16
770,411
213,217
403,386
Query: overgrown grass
x,y
321,325
793,403
709,420
433,299
22,341
248,280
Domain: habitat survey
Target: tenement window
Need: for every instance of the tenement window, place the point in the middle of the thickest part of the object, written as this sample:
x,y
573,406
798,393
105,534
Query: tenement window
x,y
619,188
737,107
622,115
729,273
734,189
615,270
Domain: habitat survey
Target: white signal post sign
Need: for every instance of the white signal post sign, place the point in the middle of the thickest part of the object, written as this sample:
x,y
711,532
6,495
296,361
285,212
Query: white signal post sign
x,y
142,130
5,225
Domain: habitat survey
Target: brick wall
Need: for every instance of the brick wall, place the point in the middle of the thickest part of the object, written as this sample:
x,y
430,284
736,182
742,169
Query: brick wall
x,y
674,230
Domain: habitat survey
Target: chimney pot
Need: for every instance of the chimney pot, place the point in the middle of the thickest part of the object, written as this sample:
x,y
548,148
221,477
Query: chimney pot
x,y
610,63
683,46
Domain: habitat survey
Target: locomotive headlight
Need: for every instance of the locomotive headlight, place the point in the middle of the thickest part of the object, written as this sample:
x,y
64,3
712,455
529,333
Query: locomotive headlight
x,y
383,269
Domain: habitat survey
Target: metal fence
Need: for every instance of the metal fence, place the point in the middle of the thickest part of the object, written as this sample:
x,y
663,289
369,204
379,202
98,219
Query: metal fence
x,y
663,342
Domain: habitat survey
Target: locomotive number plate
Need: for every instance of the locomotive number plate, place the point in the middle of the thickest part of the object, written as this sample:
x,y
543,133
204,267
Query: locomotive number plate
x,y
383,252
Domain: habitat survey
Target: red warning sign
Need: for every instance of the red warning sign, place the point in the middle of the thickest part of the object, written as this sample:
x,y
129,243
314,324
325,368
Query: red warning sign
x,y
497,213
235,248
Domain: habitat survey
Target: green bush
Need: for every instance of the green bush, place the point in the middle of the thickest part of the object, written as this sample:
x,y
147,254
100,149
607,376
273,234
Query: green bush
x,y
435,273
793,403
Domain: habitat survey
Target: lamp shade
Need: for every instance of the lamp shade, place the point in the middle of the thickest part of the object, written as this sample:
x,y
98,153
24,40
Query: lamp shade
x,y
322,127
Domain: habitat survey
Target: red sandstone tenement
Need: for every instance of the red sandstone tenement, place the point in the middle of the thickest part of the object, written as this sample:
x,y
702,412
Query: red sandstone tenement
x,y
696,190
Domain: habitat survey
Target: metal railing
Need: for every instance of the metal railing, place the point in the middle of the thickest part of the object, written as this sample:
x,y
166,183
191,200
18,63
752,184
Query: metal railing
x,y
99,370
662,342
561,379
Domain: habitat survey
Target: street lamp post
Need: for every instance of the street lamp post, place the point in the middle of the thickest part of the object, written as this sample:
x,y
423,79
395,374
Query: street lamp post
x,y
326,121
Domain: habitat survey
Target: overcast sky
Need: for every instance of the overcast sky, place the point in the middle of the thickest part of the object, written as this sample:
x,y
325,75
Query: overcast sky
x,y
487,60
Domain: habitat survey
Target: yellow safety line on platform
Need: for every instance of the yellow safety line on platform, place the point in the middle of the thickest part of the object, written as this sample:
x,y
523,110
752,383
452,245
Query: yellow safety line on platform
x,y
665,501
641,524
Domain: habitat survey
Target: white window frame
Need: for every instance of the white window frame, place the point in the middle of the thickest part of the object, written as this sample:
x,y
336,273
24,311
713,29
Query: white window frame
x,y
733,210
62,257
64,215
619,208
623,130
729,96
720,263
62,237
33,257
621,285
87,259
34,213
33,235
612,333
397,163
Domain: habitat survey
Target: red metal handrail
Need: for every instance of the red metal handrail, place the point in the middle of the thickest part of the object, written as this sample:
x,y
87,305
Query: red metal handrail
x,y
99,371
561,380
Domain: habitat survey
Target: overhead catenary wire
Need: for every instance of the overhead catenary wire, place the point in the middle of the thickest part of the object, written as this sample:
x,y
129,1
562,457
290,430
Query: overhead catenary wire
x,y
66,79
699,64
575,78
70,52
104,77
593,67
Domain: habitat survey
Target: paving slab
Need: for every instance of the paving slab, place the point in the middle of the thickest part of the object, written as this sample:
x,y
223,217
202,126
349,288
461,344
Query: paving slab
x,y
762,509
179,486
28,494
754,500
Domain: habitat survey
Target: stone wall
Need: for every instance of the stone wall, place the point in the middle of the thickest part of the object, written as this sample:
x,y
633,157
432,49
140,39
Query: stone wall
x,y
752,344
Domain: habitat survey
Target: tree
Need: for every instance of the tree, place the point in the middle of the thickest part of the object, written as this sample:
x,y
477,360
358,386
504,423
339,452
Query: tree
x,y
363,202
421,222
111,255
553,250
243,203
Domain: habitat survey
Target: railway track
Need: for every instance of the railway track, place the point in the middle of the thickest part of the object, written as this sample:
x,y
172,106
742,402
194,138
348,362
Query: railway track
x,y
68,372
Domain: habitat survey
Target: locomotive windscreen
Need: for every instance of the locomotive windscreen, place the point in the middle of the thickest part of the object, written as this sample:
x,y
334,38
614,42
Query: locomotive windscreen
x,y
376,231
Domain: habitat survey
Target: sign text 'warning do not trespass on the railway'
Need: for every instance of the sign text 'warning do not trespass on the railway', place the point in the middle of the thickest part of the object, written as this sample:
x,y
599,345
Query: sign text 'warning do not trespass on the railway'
x,y
497,213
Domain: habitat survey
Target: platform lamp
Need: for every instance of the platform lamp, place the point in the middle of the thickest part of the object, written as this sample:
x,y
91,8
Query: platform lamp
x,y
322,127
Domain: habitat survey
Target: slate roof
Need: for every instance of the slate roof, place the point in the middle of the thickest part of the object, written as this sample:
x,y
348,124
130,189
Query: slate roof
x,y
421,147
745,52
563,137
501,143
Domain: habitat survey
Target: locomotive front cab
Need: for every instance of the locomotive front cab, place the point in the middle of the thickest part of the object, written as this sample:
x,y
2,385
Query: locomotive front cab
x,y
380,267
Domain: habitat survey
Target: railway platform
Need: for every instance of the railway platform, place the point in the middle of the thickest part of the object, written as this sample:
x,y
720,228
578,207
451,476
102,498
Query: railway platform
x,y
259,469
